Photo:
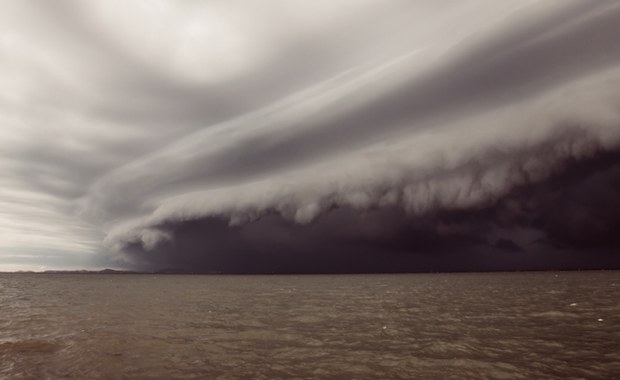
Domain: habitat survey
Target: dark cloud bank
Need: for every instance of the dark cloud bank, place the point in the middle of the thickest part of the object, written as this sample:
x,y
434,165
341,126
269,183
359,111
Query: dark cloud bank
x,y
566,221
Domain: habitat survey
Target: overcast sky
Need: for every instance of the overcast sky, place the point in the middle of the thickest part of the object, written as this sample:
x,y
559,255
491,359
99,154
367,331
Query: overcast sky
x,y
309,136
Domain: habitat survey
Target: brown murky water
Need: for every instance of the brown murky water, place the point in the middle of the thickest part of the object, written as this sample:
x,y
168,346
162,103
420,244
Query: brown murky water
x,y
426,326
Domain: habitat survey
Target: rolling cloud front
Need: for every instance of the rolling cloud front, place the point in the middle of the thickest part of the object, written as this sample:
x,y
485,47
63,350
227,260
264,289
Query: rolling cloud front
x,y
295,136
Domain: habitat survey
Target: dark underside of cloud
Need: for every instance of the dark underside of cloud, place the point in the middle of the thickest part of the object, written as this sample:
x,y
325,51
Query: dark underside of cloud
x,y
569,220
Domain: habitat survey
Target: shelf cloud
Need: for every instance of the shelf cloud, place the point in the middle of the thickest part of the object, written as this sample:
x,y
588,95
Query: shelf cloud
x,y
289,136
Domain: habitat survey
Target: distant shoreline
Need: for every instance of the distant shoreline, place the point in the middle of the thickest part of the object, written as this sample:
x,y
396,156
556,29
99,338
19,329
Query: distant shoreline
x,y
184,272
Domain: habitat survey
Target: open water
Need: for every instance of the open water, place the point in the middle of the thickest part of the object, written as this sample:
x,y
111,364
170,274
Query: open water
x,y
421,326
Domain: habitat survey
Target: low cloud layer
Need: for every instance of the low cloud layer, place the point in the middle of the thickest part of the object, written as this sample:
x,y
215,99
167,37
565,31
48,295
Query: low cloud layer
x,y
288,137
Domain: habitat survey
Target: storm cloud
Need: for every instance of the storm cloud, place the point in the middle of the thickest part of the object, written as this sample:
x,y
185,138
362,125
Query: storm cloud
x,y
292,136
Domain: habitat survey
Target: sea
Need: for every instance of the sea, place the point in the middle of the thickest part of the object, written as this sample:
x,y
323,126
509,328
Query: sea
x,y
526,325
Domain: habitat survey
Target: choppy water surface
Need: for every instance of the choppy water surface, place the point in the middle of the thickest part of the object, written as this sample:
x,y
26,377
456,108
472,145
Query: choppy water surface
x,y
427,326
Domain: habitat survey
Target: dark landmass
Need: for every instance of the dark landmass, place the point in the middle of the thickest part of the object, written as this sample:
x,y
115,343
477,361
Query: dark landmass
x,y
179,271
84,271
114,271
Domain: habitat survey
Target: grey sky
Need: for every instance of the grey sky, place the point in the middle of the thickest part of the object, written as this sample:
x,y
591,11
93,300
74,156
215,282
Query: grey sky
x,y
118,118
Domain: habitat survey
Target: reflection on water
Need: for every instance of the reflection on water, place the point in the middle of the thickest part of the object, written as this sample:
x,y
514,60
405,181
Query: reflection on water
x,y
495,326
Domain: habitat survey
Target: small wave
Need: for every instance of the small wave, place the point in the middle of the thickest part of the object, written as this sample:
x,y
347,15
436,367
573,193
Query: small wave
x,y
28,346
555,314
